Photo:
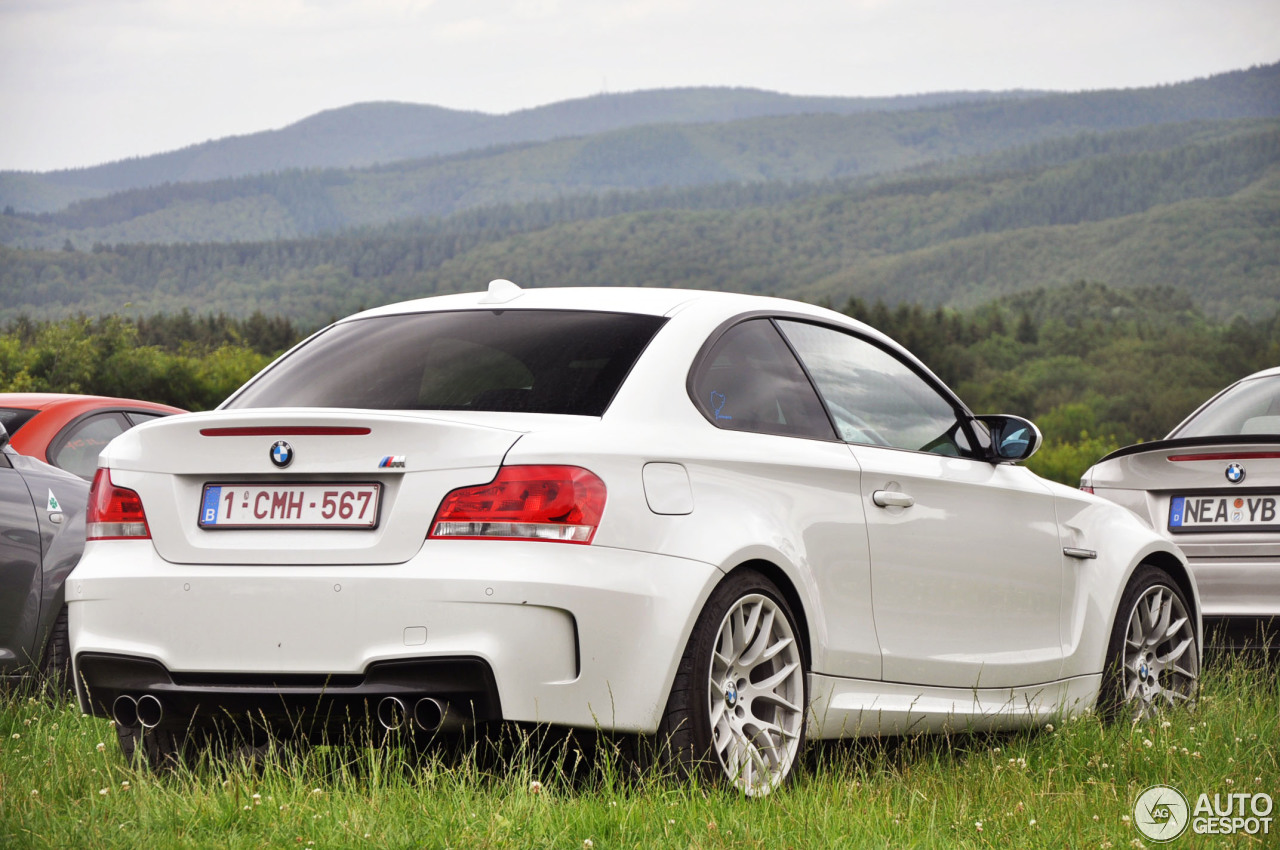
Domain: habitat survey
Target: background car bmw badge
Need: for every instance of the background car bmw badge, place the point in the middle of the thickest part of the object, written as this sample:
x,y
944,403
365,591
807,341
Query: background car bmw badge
x,y
281,454
1235,473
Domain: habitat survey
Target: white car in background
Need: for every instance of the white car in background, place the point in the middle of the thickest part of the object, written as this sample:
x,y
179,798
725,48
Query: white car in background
x,y
728,522
1212,486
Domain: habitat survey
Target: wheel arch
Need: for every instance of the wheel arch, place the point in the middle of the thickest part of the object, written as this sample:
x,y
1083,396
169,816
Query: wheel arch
x,y
1182,576
790,595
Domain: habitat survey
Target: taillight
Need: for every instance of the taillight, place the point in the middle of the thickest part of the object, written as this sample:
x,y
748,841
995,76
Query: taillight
x,y
1088,488
114,512
562,503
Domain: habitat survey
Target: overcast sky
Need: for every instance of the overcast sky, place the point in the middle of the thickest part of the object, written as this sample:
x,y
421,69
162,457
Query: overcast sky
x,y
90,81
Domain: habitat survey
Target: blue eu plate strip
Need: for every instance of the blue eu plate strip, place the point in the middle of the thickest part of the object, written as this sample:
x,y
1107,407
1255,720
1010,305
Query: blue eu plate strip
x,y
209,511
1175,512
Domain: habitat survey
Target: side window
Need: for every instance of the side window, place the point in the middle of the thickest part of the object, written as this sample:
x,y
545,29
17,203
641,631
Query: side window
x,y
137,417
750,381
77,448
873,397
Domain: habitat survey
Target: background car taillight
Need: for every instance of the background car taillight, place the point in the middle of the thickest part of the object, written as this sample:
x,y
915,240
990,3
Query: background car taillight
x,y
114,512
562,503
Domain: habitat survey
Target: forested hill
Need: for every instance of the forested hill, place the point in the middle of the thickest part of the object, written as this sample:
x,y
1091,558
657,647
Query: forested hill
x,y
365,134
1195,207
626,141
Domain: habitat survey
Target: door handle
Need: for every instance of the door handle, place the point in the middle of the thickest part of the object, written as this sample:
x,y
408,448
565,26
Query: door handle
x,y
892,499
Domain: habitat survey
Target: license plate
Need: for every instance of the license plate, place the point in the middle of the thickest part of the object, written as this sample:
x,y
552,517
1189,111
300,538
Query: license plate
x,y
290,506
1231,512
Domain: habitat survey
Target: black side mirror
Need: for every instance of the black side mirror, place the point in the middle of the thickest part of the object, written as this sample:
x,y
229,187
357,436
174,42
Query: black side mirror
x,y
1012,437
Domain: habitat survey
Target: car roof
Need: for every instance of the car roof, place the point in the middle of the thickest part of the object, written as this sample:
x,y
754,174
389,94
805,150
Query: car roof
x,y
41,401
654,301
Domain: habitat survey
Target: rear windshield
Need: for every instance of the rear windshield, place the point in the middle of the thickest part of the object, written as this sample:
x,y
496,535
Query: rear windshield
x,y
1249,407
534,361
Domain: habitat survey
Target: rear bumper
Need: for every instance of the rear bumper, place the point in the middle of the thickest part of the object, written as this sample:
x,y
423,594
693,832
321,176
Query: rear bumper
x,y
1238,587
575,635
307,706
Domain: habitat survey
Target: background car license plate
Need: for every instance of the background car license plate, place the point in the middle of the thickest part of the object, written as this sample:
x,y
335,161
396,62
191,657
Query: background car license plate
x,y
1231,512
290,506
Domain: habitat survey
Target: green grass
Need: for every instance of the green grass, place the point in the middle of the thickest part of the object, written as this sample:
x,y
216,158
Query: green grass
x,y
63,783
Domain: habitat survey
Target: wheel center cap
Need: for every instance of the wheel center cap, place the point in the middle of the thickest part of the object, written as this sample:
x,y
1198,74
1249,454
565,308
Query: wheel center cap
x,y
1143,670
730,694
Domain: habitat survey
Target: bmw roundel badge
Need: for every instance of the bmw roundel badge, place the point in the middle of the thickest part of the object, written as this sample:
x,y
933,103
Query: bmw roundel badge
x,y
1235,473
281,454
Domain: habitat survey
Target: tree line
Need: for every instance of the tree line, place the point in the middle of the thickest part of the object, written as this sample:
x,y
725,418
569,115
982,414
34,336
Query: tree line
x,y
1095,367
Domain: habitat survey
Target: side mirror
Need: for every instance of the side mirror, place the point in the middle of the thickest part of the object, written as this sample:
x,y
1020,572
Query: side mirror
x,y
1012,437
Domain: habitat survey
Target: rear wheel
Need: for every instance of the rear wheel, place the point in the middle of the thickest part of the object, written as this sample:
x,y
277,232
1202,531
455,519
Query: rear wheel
x,y
55,668
1153,661
737,707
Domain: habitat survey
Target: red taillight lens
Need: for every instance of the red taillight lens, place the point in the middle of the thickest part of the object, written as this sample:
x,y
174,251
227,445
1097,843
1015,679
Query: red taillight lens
x,y
562,503
114,512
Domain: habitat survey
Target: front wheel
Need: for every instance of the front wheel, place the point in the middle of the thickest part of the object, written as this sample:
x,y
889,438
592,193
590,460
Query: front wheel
x,y
1153,660
737,707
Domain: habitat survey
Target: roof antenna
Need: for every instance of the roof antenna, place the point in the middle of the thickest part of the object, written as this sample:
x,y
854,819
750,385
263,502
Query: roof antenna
x,y
500,292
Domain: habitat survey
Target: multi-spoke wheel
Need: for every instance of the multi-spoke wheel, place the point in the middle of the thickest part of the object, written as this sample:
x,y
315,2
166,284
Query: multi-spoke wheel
x,y
737,708
1154,658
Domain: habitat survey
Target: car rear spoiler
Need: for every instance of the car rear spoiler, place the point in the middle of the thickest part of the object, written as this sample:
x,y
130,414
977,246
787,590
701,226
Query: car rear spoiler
x,y
1196,442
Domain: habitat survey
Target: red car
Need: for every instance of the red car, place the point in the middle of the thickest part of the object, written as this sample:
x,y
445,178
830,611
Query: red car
x,y
69,430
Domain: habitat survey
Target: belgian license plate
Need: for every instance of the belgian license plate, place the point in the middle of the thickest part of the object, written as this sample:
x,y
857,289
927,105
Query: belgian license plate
x,y
290,506
1231,512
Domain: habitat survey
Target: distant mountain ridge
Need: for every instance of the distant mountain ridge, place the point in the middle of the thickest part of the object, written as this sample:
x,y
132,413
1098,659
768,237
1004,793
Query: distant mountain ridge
x,y
366,134
804,147
1193,207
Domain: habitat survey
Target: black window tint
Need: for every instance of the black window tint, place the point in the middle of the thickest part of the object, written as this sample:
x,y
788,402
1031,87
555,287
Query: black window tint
x,y
137,417
77,448
750,381
13,418
539,361
873,397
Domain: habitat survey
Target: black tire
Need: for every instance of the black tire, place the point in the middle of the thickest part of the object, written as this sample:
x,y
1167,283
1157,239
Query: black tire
x,y
724,719
55,667
1153,657
163,749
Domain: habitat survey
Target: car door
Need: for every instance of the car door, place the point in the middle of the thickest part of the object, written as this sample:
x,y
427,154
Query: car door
x,y
966,563
750,382
20,578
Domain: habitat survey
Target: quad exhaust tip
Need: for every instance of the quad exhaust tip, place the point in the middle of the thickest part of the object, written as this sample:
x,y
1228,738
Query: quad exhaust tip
x,y
146,710
429,715
124,711
391,713
150,711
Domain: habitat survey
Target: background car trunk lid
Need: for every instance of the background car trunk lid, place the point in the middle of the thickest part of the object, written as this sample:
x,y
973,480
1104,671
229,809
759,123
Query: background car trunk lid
x,y
1236,482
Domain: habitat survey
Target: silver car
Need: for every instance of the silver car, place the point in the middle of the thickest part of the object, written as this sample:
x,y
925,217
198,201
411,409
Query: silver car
x,y
1213,487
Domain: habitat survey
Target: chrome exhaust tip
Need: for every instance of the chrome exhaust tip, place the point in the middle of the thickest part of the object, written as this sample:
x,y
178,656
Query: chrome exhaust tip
x,y
429,713
433,715
391,713
149,711
124,711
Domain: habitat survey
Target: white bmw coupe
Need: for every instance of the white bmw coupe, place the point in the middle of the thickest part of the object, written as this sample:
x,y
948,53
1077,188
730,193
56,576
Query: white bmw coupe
x,y
721,521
